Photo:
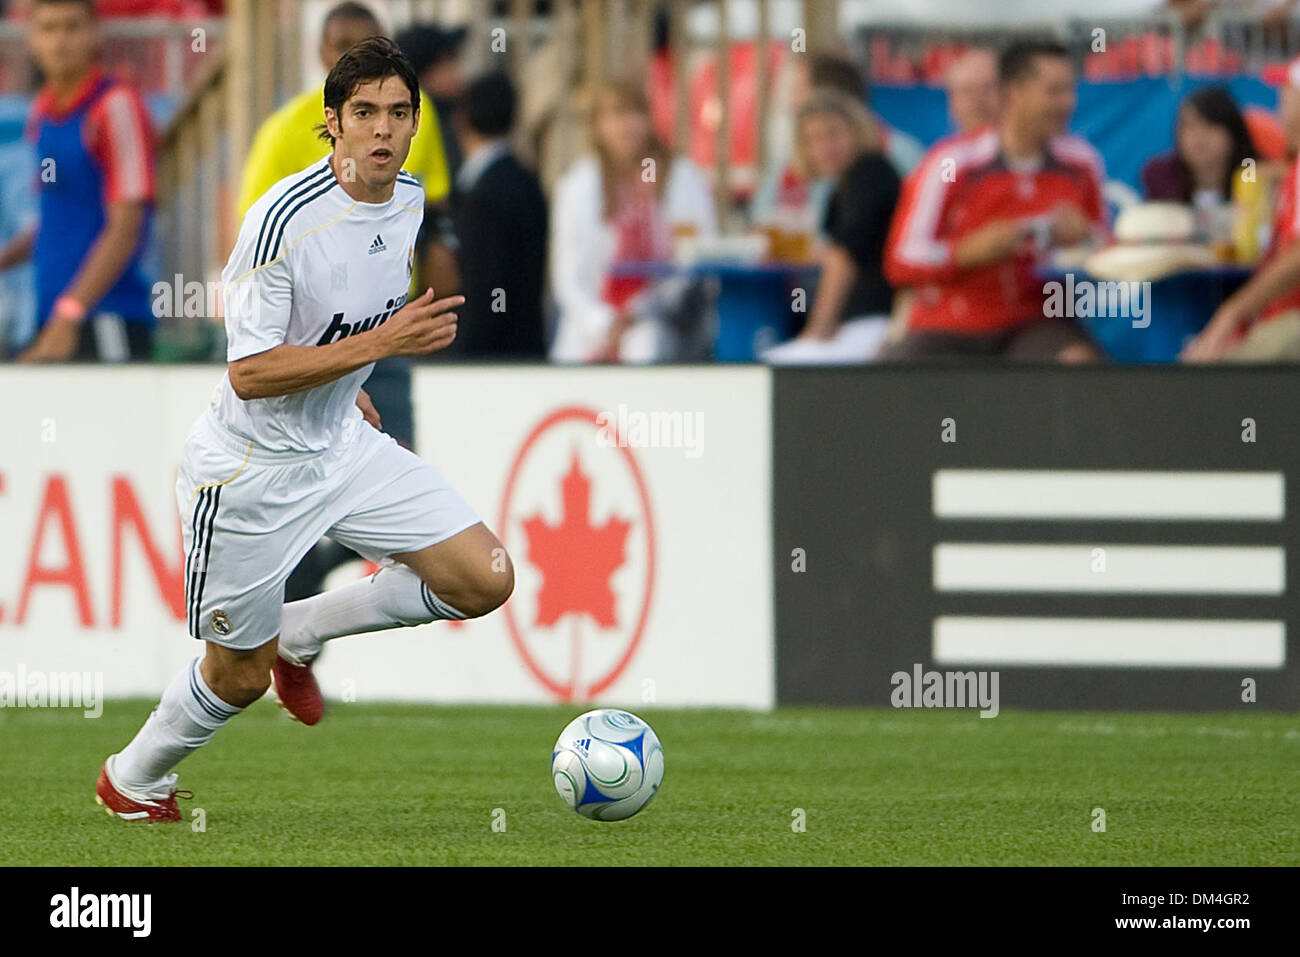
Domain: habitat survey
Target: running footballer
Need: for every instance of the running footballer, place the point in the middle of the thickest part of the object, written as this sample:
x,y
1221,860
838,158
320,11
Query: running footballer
x,y
289,449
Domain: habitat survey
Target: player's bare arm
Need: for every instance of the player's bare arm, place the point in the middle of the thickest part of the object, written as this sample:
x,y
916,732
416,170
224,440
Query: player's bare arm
x,y
422,326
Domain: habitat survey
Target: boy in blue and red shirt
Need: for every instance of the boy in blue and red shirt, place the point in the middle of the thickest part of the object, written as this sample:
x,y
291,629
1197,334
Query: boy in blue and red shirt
x,y
94,149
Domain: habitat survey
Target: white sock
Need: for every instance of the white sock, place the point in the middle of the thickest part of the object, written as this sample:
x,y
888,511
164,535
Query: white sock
x,y
393,597
186,718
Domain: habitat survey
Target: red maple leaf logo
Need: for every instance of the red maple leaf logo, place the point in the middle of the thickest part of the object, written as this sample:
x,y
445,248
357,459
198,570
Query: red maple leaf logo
x,y
576,558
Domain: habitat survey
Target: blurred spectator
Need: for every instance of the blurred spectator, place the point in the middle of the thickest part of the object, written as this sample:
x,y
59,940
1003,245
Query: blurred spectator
x,y
96,193
434,54
434,51
834,72
500,218
972,84
17,217
1210,143
839,140
620,207
985,208
1261,321
784,196
177,9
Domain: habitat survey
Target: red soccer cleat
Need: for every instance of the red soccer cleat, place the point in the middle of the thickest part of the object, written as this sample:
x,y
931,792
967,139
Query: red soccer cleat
x,y
297,691
137,807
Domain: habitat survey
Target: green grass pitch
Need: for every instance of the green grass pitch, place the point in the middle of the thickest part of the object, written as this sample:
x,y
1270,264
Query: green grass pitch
x,y
384,784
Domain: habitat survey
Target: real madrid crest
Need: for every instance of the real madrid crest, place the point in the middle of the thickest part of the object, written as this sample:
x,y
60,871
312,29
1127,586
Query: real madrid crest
x,y
220,622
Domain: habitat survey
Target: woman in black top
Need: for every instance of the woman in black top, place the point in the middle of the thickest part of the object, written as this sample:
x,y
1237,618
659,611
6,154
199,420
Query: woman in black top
x,y
838,138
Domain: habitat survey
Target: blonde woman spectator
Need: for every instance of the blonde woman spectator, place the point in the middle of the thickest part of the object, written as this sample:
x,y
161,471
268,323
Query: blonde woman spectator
x,y
839,140
614,208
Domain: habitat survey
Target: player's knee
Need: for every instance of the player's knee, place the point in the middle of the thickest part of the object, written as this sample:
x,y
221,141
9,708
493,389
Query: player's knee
x,y
241,683
490,591
506,584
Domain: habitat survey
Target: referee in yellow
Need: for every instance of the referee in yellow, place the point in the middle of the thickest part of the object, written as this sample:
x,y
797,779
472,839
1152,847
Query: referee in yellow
x,y
287,142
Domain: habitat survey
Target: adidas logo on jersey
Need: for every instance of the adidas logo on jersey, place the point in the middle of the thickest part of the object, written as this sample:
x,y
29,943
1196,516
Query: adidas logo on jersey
x,y
341,330
378,245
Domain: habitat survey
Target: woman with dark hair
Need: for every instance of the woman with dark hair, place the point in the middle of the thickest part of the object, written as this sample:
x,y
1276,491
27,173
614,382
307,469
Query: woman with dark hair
x,y
1211,141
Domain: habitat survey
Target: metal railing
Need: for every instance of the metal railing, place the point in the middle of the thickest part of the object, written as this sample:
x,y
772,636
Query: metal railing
x,y
1228,42
158,55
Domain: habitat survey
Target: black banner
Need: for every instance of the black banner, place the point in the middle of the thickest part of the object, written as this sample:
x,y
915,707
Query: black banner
x,y
898,534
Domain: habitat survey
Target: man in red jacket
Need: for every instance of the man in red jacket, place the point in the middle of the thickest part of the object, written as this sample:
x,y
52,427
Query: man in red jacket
x,y
984,208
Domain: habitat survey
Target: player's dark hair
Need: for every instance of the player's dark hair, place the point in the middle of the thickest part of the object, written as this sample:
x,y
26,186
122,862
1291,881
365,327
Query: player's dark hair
x,y
374,58
488,105
350,10
1020,60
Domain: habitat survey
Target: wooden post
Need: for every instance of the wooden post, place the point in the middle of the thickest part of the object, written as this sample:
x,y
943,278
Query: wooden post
x,y
219,232
821,18
265,15
722,147
593,29
642,38
520,37
239,70
679,47
763,79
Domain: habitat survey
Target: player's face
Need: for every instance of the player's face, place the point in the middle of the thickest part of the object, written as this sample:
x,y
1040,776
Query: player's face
x,y
63,39
373,129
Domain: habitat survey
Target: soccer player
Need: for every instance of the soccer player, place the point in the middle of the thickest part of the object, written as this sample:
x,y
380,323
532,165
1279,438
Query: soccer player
x,y
286,142
315,292
96,189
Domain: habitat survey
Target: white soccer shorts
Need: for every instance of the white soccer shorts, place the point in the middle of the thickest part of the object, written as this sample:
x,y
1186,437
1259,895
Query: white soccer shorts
x,y
249,516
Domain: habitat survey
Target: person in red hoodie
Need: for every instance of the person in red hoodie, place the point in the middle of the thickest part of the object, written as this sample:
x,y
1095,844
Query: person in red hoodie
x,y
983,209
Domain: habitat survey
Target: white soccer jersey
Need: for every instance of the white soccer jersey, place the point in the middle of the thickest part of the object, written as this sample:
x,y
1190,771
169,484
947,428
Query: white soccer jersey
x,y
311,266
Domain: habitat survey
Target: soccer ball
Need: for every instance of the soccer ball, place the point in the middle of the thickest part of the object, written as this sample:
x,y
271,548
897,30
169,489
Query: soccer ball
x,y
607,764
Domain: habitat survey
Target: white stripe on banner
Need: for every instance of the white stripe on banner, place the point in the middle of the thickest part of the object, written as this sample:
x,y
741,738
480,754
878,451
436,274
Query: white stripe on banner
x,y
1108,642
1064,494
1127,569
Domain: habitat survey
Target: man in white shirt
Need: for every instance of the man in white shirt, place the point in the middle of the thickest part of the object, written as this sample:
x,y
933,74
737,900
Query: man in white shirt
x,y
290,450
